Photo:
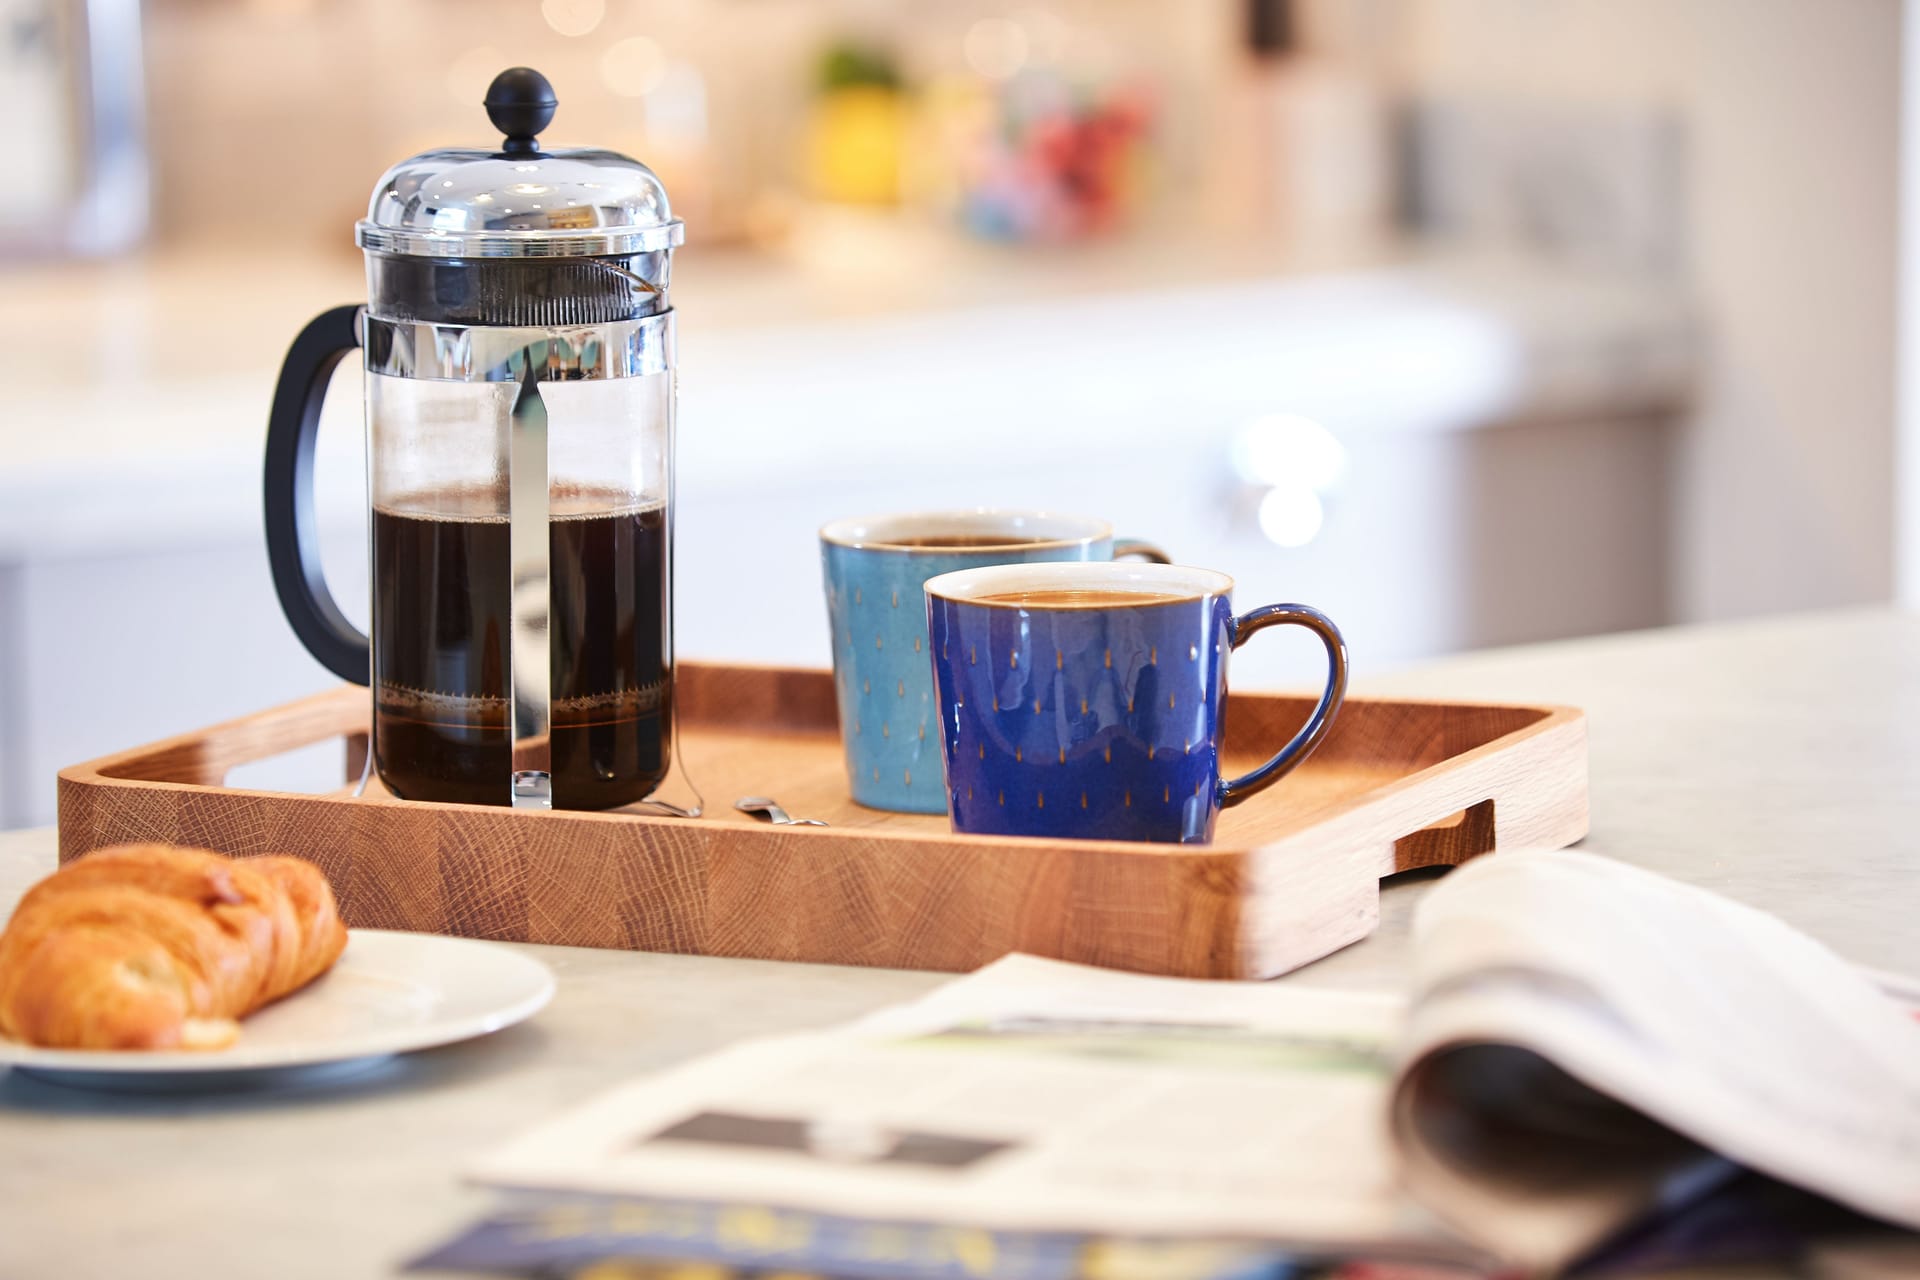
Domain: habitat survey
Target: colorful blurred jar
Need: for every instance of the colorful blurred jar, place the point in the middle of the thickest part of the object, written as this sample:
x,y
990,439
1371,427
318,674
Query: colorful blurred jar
x,y
858,128
1043,157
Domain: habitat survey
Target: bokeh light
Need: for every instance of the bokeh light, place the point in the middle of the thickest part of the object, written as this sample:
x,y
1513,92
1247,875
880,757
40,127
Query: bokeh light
x,y
1285,448
633,67
573,17
1291,515
996,47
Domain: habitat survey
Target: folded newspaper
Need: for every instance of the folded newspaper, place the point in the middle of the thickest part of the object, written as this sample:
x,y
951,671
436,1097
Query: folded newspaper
x,y
1586,1048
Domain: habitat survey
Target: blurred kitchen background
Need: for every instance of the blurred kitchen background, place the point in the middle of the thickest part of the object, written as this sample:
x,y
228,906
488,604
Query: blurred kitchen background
x,y
1473,322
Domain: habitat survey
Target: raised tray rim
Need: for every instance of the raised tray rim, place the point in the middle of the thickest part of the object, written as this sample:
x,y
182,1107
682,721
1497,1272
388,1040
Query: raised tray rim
x,y
1552,717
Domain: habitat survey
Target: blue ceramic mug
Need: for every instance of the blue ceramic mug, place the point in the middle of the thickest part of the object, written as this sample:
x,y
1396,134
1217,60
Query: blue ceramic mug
x,y
1086,700
875,568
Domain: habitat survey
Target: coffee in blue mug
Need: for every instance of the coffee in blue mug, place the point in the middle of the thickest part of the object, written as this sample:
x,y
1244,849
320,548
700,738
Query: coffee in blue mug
x,y
1087,700
875,567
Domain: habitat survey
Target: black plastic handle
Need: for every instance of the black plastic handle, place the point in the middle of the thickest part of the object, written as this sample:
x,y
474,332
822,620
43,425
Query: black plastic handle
x,y
293,532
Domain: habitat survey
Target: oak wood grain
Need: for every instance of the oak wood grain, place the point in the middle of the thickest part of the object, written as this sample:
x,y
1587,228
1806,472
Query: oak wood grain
x,y
1291,875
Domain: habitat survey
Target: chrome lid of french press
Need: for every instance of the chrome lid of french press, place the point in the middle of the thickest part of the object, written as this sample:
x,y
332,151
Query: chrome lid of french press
x,y
519,201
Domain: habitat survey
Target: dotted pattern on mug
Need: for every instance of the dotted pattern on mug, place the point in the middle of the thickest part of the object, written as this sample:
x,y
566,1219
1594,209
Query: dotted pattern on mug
x,y
1087,722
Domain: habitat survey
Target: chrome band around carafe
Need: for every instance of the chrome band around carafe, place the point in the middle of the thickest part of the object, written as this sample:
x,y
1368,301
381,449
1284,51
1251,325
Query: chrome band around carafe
x,y
460,353
375,238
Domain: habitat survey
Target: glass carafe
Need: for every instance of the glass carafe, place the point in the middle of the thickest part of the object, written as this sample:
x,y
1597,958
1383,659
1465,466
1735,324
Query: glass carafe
x,y
519,396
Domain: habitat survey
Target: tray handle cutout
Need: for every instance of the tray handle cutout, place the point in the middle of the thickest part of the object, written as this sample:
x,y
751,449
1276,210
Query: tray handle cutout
x,y
1448,842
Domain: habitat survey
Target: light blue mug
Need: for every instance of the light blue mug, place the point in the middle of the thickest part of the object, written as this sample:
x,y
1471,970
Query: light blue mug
x,y
876,568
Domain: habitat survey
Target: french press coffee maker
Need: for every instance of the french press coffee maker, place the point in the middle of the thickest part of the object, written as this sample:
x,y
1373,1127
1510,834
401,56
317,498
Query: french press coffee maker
x,y
519,405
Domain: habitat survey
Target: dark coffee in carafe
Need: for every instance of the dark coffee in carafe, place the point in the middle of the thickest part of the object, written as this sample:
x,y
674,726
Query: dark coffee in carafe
x,y
442,619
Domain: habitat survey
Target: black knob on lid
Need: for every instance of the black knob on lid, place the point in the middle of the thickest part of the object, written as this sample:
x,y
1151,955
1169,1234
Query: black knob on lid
x,y
520,103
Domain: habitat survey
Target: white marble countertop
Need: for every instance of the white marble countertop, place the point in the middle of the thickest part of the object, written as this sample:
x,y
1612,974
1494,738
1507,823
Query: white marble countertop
x,y
1773,761
145,421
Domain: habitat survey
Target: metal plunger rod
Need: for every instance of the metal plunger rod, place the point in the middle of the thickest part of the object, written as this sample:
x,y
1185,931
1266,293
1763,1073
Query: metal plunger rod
x,y
530,652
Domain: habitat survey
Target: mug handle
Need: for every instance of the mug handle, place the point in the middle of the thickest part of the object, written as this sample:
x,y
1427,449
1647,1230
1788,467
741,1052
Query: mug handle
x,y
1139,547
293,530
1233,790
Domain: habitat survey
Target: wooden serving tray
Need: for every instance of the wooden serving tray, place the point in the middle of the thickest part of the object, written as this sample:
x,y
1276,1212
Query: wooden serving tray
x,y
1292,874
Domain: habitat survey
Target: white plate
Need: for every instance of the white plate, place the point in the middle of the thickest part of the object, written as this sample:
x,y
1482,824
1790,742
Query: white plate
x,y
389,993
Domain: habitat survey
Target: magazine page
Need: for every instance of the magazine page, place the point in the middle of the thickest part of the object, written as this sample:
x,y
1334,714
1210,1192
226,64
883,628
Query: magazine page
x,y
1590,1041
553,1235
1031,1096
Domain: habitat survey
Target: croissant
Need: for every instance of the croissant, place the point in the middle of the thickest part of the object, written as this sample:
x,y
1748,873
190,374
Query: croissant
x,y
151,946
